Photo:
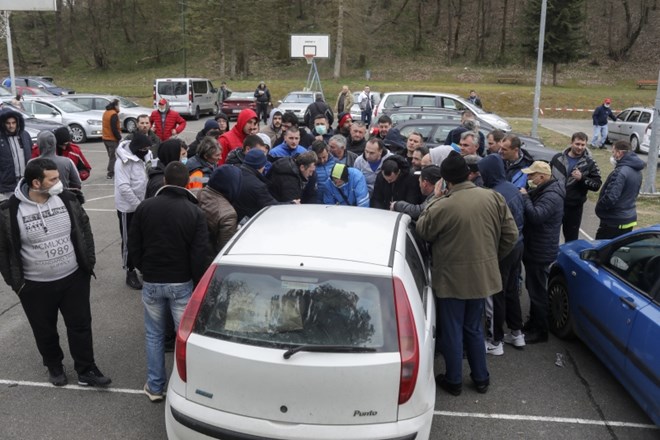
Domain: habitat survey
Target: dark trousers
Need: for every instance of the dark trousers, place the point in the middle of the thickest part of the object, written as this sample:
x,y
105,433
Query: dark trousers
x,y
605,231
460,323
111,148
536,281
366,117
262,111
124,225
506,304
571,222
70,295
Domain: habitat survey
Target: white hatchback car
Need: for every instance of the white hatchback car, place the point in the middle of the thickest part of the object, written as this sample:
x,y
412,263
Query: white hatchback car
x,y
324,329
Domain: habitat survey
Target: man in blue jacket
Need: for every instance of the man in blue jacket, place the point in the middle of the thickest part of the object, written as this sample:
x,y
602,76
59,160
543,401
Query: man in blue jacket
x,y
346,186
616,203
599,118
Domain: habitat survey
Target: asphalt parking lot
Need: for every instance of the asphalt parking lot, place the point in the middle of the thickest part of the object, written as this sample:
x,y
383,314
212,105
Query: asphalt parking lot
x,y
557,390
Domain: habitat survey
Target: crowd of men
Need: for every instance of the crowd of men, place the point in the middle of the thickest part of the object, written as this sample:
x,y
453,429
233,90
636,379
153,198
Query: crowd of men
x,y
178,205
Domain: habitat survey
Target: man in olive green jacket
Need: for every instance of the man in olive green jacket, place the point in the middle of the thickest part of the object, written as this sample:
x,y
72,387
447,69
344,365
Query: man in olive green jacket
x,y
470,229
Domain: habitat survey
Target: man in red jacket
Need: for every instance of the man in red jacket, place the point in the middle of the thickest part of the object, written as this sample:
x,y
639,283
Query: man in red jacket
x,y
247,124
166,122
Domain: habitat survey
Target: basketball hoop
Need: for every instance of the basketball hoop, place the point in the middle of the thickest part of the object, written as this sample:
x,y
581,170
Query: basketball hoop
x,y
309,58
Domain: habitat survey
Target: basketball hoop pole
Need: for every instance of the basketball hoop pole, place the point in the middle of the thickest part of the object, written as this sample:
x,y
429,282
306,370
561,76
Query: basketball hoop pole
x,y
313,79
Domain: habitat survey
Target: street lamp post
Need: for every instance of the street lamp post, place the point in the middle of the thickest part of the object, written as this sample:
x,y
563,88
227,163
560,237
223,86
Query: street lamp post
x,y
539,70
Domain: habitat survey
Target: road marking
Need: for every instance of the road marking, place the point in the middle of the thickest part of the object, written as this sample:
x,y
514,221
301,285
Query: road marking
x,y
99,210
99,184
25,383
585,234
544,419
98,198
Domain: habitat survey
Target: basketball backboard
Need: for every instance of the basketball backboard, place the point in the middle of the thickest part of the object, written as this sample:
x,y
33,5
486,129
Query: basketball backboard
x,y
317,46
28,5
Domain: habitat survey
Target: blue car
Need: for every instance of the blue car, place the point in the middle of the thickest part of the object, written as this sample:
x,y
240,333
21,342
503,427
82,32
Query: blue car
x,y
607,293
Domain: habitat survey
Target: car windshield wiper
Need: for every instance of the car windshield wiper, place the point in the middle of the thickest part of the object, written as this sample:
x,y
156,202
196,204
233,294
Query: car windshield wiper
x,y
328,349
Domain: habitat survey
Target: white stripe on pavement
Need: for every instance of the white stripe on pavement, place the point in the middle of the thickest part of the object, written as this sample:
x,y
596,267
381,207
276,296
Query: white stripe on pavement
x,y
25,383
544,419
99,210
585,234
99,198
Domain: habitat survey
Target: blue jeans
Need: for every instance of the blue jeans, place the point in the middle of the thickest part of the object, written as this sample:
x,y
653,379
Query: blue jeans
x,y
461,326
159,299
602,131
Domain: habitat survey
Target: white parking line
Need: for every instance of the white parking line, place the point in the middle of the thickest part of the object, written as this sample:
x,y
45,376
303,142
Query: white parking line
x,y
99,210
585,234
99,198
544,419
13,383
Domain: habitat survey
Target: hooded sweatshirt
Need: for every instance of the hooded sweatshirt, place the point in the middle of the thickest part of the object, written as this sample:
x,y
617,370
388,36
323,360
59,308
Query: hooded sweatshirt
x,y
169,151
47,251
234,138
270,131
616,202
15,151
130,178
67,169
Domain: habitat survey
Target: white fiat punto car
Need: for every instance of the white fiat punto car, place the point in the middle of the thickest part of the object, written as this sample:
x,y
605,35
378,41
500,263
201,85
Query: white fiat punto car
x,y
314,322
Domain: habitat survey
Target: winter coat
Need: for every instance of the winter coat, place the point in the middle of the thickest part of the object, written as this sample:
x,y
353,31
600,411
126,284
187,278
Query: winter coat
x,y
65,166
8,177
413,210
169,152
130,178
269,130
111,127
322,176
235,157
155,141
470,230
200,172
353,193
11,264
348,102
318,107
253,195
393,140
405,187
616,201
168,239
544,210
221,217
73,152
514,172
576,190
283,150
234,138
600,115
491,169
264,97
370,174
356,147
173,120
287,184
348,159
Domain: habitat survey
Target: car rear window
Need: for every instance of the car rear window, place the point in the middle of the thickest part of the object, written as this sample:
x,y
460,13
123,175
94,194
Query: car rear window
x,y
396,101
274,308
172,88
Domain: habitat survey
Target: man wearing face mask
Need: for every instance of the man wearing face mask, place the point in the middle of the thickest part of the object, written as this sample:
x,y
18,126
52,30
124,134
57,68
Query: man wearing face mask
x,y
322,131
47,256
130,188
616,202
166,122
544,210
599,118
318,107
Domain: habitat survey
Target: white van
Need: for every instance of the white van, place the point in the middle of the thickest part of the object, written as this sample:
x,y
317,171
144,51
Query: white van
x,y
187,96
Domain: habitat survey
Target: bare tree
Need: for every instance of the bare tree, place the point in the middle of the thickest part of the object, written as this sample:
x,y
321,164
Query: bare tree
x,y
65,60
633,30
340,39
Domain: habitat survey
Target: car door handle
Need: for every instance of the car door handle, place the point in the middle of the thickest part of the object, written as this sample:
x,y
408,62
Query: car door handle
x,y
630,303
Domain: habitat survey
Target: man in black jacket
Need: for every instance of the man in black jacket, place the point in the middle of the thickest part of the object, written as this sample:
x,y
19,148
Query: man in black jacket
x,y
15,151
294,178
169,243
262,94
395,182
544,209
318,107
579,173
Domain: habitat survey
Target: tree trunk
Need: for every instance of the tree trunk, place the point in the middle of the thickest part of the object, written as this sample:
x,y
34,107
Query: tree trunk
x,y
59,36
480,29
336,74
459,14
449,32
503,40
438,14
554,74
632,32
419,32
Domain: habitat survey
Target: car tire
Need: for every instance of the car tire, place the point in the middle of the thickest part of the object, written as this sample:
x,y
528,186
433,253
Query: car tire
x,y
215,110
130,124
634,144
78,135
560,320
196,114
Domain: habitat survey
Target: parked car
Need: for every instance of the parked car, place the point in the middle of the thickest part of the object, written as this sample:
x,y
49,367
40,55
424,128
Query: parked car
x,y
33,125
356,113
286,338
40,82
645,146
188,96
32,91
238,101
128,110
83,124
435,131
5,94
630,125
441,100
402,114
297,102
607,293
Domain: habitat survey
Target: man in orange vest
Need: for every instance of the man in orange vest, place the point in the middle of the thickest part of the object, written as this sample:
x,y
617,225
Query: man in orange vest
x,y
111,134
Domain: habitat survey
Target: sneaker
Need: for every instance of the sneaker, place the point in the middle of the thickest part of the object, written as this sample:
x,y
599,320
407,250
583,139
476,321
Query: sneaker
x,y
454,389
133,281
154,397
93,377
110,176
517,341
495,349
57,376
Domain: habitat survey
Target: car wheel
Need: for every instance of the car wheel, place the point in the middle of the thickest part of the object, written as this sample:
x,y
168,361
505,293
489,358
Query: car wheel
x,y
130,124
78,135
561,321
215,110
634,144
196,115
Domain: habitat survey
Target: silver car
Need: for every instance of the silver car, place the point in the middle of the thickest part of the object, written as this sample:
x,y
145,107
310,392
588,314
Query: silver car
x,y
645,147
630,125
297,102
128,110
356,113
83,124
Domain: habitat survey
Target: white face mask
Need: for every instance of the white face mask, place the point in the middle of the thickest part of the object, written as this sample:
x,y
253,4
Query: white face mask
x,y
320,129
531,184
613,161
55,189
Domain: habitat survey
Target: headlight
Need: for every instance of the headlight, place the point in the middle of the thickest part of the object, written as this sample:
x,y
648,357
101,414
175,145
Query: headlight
x,y
94,122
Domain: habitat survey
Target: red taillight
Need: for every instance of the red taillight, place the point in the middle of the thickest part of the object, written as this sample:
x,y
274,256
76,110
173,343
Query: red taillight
x,y
408,344
188,322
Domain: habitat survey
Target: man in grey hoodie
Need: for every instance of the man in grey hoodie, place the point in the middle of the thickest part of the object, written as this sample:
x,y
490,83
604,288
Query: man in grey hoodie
x,y
47,257
69,176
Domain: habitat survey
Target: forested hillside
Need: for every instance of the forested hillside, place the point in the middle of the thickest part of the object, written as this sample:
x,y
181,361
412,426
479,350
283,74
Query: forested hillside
x,y
243,38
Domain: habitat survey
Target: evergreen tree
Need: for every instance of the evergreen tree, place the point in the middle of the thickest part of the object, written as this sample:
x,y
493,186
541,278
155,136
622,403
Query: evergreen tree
x,y
564,36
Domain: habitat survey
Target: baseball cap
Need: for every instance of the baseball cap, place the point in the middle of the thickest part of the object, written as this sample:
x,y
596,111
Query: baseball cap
x,y
538,167
162,101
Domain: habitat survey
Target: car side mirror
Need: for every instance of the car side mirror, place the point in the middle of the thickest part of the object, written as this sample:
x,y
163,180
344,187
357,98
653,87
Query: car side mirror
x,y
55,113
214,90
590,255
